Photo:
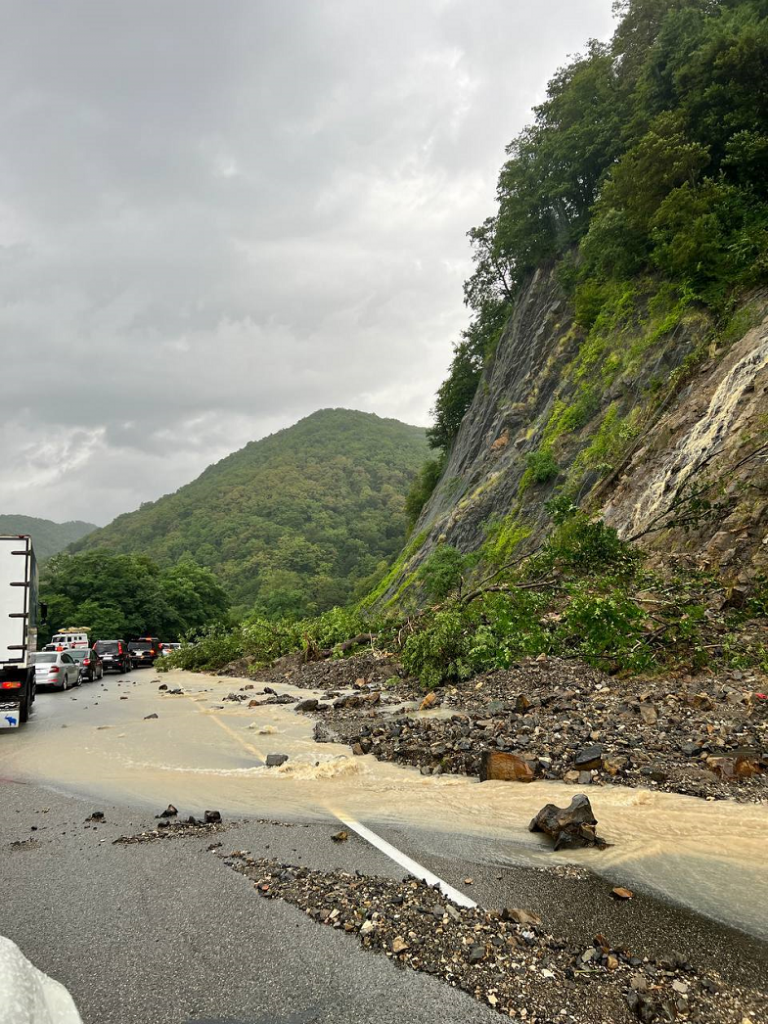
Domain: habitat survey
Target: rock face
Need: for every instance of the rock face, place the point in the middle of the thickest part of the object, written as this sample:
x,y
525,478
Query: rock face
x,y
709,418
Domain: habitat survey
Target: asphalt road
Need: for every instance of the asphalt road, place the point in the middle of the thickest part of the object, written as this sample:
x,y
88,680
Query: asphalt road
x,y
165,932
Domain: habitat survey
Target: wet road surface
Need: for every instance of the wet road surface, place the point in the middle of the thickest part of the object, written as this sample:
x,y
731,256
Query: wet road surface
x,y
163,932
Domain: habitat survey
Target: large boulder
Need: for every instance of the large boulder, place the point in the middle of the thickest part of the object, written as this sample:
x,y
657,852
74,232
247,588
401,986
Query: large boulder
x,y
496,764
572,824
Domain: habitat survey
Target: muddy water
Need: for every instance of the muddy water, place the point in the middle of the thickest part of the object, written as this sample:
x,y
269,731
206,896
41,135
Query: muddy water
x,y
710,856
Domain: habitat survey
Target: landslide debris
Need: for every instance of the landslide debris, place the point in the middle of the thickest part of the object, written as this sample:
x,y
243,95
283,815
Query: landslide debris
x,y
505,959
167,829
329,674
704,736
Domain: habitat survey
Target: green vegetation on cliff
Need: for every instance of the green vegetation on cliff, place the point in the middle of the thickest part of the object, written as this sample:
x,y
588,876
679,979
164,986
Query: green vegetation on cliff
x,y
48,537
649,155
293,524
584,594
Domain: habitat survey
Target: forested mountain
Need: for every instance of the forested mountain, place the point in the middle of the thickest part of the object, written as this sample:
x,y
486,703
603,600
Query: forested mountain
x,y
48,537
292,524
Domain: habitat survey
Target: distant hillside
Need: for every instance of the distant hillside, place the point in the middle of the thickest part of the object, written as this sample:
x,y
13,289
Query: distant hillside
x,y
48,537
292,523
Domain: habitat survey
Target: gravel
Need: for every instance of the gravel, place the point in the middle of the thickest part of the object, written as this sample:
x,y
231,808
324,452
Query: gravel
x,y
504,959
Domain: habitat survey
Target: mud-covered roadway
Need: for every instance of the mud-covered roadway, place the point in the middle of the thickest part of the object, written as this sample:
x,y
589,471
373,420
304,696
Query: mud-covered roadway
x,y
164,931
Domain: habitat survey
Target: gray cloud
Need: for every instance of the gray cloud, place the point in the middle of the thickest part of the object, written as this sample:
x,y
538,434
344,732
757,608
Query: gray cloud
x,y
218,217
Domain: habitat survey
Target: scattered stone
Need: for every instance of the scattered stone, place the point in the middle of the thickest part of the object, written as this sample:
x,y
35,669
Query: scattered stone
x,y
648,714
566,703
475,954
307,705
340,837
173,830
519,916
622,894
212,817
96,816
147,717
589,757
163,686
430,701
169,812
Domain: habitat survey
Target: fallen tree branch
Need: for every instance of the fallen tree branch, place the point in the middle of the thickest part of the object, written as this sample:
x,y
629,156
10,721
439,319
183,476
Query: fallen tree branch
x,y
346,645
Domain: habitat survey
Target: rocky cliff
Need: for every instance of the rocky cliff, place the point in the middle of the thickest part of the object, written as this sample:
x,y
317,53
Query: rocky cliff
x,y
641,409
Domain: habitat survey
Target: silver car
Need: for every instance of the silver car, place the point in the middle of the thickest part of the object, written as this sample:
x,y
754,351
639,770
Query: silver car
x,y
56,669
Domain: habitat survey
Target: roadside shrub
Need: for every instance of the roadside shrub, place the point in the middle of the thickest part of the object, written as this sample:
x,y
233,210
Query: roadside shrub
x,y
605,627
580,547
440,653
213,649
442,572
510,628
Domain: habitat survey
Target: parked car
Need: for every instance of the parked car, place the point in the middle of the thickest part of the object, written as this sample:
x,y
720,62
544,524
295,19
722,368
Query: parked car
x,y
144,650
169,649
91,665
57,669
114,655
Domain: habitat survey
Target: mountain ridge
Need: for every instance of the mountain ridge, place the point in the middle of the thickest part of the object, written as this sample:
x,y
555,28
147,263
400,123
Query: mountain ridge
x,y
48,536
292,522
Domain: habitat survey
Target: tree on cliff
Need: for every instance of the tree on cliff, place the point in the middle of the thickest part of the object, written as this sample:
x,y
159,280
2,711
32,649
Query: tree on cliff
x,y
650,154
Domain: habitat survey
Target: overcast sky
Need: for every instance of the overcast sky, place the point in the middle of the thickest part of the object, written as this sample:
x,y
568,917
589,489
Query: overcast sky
x,y
217,216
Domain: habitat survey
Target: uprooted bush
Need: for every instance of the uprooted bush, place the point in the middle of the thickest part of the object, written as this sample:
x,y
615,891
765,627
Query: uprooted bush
x,y
585,594
262,641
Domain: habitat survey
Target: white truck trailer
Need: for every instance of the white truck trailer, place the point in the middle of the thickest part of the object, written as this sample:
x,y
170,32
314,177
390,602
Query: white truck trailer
x,y
18,629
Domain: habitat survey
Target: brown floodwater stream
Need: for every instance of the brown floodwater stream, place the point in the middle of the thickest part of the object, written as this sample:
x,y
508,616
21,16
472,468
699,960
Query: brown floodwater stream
x,y
709,856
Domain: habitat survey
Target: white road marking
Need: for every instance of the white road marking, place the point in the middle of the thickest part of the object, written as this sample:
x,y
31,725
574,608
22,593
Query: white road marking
x,y
412,866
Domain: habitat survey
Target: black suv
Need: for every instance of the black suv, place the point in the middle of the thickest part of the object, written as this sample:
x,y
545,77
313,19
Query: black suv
x,y
144,651
114,655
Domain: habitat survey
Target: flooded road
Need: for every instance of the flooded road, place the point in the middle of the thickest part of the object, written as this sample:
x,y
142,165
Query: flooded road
x,y
199,753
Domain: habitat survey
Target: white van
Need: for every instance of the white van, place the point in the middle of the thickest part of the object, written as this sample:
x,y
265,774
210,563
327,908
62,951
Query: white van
x,y
70,638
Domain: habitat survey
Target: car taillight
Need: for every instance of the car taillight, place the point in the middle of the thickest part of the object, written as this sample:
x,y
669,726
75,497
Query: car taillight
x,y
54,668
9,684
86,661
152,651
